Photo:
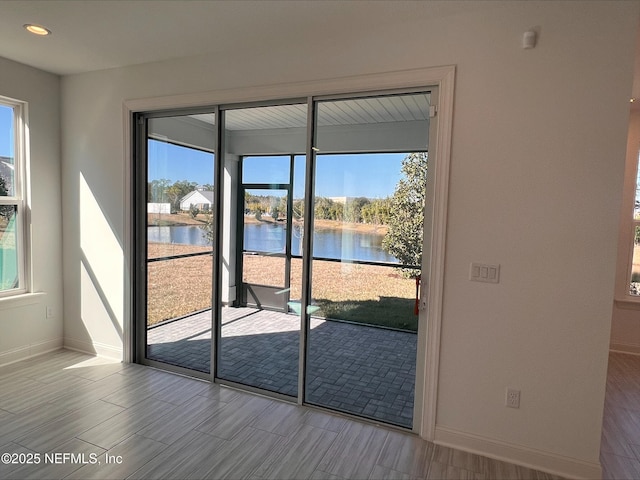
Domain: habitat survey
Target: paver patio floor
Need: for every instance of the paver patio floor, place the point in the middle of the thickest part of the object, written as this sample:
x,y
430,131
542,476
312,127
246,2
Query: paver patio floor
x,y
353,368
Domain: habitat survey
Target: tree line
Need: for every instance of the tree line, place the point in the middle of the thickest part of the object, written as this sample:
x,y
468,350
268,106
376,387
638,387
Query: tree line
x,y
355,210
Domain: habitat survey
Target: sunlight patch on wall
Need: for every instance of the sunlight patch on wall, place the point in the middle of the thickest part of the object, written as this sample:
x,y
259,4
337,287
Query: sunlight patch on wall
x,y
101,270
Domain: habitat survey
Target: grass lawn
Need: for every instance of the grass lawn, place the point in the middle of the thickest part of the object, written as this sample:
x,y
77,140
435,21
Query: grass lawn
x,y
391,312
368,294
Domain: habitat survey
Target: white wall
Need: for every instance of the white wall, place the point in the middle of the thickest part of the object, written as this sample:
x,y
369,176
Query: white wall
x,y
537,165
24,330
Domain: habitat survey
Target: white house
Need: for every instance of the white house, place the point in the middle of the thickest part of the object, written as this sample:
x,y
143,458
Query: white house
x,y
202,199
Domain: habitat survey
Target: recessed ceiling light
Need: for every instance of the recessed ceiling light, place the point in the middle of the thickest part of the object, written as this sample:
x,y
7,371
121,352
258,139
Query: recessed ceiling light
x,y
631,100
37,29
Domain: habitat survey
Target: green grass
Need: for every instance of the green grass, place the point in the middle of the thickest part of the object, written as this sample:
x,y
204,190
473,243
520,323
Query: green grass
x,y
390,312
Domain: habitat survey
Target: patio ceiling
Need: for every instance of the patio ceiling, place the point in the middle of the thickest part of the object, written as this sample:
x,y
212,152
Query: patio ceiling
x,y
359,111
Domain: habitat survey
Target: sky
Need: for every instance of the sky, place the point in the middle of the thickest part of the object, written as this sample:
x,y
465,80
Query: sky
x,y
6,131
355,175
352,175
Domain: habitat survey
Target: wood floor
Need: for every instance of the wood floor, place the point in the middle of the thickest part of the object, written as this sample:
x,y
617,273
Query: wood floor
x,y
86,418
620,448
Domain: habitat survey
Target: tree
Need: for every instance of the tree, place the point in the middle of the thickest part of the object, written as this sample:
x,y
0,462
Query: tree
x,y
178,190
298,209
208,228
353,209
376,211
6,211
406,214
158,190
275,212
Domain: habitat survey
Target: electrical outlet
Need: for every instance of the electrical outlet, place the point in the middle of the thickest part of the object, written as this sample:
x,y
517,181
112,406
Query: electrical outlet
x,y
49,312
512,398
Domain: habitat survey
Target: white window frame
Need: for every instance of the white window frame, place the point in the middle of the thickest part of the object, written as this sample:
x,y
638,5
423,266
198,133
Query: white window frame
x,y
635,222
19,198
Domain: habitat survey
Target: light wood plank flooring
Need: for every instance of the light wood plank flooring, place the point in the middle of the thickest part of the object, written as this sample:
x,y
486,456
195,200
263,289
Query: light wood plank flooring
x,y
128,421
620,447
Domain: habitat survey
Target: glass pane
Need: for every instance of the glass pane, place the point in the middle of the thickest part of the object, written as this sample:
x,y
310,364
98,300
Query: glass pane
x,y
265,220
634,287
636,208
179,311
362,293
260,327
170,240
180,232
170,295
7,151
263,270
9,275
367,253
272,170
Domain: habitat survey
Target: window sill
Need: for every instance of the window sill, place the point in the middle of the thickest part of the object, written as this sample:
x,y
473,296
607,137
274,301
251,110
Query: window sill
x,y
628,303
21,300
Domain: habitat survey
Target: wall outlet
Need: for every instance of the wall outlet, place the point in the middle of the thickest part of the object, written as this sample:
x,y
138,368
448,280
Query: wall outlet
x,y
512,398
49,312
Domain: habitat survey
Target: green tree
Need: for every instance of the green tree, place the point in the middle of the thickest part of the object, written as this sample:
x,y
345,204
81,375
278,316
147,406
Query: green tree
x,y
178,190
322,208
298,209
193,210
208,228
6,211
406,214
157,190
376,211
275,212
353,209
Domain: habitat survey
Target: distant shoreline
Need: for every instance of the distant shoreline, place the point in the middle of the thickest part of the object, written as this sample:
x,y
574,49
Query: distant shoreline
x,y
185,219
372,229
174,219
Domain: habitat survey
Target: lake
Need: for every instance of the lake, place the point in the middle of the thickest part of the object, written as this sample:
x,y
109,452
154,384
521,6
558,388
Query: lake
x,y
270,238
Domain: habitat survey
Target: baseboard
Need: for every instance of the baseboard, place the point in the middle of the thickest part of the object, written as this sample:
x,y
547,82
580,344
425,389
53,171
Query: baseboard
x,y
30,350
93,348
625,348
527,457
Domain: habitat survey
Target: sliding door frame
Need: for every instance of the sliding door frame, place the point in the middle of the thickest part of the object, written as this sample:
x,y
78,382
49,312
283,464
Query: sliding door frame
x,y
409,80
243,187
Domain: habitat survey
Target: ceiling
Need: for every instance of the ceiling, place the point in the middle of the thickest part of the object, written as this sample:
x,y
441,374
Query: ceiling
x,y
97,34
100,34
358,111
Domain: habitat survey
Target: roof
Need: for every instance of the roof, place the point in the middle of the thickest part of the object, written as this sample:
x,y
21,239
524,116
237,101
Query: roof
x,y
207,194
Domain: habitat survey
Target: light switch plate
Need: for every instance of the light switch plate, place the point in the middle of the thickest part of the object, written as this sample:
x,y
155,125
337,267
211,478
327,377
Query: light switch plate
x,y
484,272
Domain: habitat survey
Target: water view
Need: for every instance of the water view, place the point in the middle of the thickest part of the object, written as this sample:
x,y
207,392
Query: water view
x,y
270,238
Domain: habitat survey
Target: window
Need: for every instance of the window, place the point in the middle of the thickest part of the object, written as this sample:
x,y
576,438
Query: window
x,y
634,281
12,206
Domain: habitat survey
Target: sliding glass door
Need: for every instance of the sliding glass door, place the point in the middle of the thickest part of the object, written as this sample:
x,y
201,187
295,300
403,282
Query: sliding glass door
x,y
179,249
366,258
299,265
259,328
